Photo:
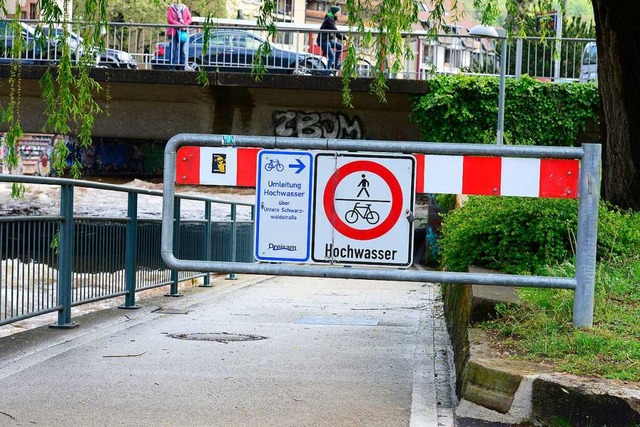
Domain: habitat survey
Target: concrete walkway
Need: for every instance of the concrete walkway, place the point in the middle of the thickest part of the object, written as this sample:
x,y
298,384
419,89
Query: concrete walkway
x,y
259,351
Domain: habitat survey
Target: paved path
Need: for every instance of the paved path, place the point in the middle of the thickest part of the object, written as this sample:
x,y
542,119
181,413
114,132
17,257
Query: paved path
x,y
334,353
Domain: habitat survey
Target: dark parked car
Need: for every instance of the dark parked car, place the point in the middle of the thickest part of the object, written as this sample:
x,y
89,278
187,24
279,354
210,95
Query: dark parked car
x,y
33,52
234,50
110,58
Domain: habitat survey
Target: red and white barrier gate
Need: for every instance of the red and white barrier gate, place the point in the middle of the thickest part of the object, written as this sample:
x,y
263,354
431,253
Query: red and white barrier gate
x,y
471,175
561,172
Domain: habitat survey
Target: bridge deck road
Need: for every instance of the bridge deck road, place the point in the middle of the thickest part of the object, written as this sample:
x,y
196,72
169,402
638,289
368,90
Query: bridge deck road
x,y
336,353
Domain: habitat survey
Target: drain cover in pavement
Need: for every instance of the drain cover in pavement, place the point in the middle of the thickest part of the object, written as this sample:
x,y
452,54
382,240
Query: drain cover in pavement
x,y
338,320
170,311
223,337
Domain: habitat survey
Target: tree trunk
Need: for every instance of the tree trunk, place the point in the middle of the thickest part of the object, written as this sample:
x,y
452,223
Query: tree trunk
x,y
618,39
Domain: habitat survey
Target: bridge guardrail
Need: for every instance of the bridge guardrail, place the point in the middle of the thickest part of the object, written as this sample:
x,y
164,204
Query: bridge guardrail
x,y
54,262
144,46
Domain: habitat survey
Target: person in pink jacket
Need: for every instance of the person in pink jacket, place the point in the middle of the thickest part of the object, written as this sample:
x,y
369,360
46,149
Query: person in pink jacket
x,y
178,14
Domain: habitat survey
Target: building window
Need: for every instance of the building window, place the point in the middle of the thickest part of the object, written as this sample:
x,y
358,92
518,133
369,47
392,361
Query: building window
x,y
285,7
453,58
284,10
33,11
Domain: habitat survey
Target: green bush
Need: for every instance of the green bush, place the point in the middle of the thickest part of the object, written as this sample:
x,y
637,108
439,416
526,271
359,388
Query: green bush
x,y
514,235
524,236
618,233
459,108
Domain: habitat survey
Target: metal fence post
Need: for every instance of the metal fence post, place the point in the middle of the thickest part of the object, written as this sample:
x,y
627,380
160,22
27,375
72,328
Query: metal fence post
x,y
207,242
588,199
234,238
176,245
518,73
65,258
131,251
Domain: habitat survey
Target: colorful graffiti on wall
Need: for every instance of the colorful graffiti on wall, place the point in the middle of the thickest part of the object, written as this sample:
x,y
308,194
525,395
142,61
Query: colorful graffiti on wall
x,y
34,154
120,157
105,157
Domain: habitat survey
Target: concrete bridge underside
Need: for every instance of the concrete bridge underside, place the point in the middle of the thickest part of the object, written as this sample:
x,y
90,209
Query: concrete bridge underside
x,y
155,105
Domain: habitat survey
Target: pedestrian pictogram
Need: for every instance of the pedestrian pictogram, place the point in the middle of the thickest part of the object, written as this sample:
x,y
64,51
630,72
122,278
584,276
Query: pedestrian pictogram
x,y
364,184
358,205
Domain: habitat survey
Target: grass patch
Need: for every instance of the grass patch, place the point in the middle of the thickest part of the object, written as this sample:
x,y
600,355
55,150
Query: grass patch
x,y
527,236
540,328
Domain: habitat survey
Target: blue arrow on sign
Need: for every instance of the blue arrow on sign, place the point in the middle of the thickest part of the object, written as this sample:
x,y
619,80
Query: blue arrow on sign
x,y
300,166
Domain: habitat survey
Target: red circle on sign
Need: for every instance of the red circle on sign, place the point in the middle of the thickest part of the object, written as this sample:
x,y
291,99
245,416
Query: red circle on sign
x,y
396,200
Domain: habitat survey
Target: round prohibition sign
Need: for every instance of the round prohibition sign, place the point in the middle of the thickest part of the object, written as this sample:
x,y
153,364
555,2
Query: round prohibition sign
x,y
330,192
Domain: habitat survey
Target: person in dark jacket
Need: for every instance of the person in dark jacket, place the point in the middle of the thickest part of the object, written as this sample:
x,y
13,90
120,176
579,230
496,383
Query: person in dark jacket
x,y
328,41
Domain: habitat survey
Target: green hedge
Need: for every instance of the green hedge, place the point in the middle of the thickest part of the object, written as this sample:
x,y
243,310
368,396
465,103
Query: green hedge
x,y
524,236
460,108
509,234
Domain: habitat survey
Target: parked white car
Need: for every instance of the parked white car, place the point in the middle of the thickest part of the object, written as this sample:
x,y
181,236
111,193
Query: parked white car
x,y
589,64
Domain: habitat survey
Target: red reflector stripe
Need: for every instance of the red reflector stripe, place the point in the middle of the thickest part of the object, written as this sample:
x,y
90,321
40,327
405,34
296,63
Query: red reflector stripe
x,y
188,165
247,163
419,173
481,175
559,178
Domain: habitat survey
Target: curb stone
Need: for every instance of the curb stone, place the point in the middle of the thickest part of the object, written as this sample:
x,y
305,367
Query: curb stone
x,y
516,392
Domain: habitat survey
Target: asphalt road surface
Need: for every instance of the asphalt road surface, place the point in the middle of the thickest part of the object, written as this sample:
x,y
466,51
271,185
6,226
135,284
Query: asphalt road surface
x,y
257,351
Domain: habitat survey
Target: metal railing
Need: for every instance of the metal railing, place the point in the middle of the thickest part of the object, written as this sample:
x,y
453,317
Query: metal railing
x,y
232,46
50,263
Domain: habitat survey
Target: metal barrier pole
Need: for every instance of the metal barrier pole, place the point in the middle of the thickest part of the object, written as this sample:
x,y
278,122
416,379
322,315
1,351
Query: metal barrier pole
x,y
207,242
176,244
234,238
588,199
65,258
131,250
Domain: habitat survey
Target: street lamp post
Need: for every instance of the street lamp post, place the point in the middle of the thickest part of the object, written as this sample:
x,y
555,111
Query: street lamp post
x,y
490,32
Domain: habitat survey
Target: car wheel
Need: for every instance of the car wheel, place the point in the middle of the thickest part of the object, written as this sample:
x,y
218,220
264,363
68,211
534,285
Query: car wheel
x,y
305,67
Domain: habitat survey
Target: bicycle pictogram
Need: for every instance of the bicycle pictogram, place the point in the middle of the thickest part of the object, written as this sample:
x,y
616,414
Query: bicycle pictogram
x,y
274,164
364,211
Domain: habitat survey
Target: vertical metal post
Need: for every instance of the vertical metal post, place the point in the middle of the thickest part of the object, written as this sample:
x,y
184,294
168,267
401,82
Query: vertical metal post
x,y
130,252
558,47
501,90
65,258
518,58
234,238
588,199
176,244
207,241
253,223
